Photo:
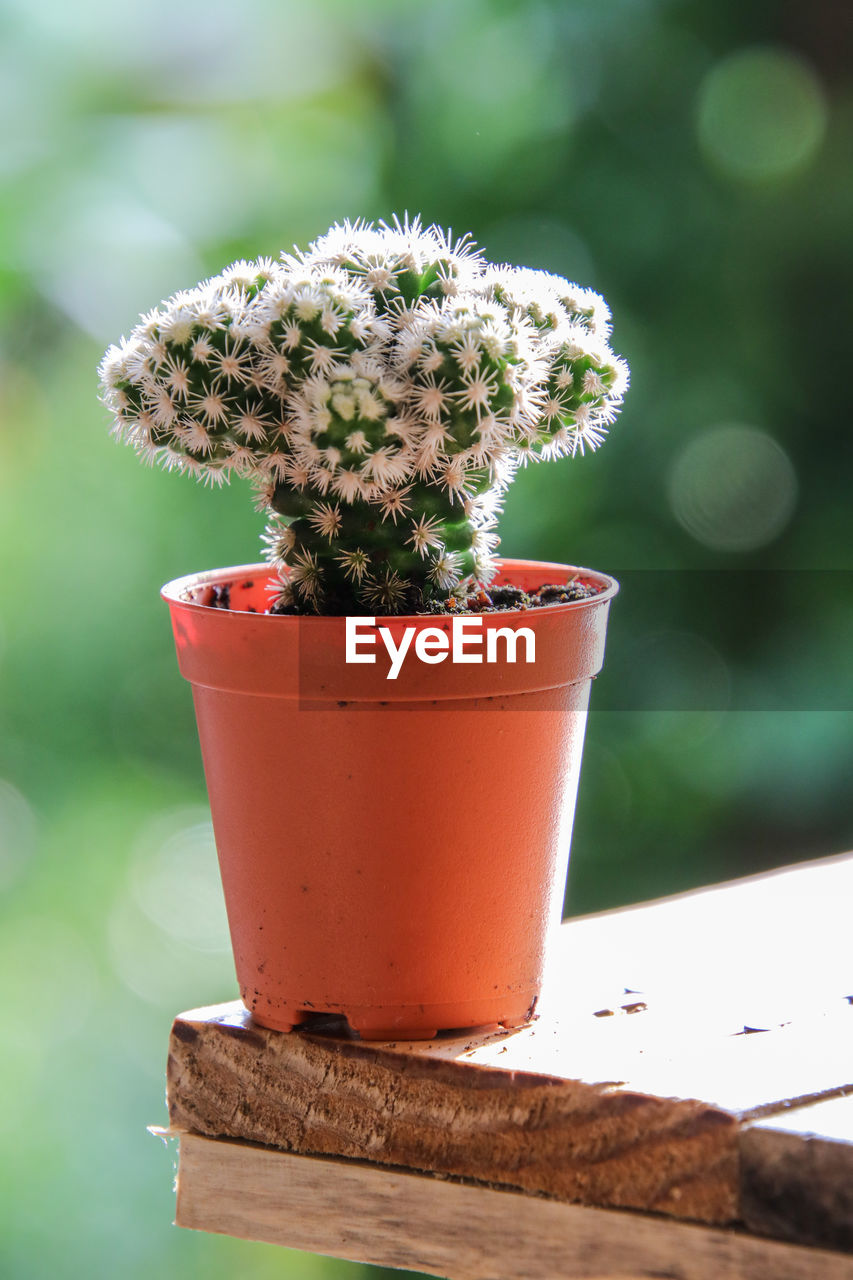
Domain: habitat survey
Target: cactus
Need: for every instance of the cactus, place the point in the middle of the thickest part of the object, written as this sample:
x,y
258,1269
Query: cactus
x,y
380,390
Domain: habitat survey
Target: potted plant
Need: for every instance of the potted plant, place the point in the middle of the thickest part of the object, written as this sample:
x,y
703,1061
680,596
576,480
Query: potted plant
x,y
391,728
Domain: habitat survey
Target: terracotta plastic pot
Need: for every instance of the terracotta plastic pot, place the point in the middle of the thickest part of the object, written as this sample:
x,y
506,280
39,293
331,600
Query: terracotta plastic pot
x,y
394,851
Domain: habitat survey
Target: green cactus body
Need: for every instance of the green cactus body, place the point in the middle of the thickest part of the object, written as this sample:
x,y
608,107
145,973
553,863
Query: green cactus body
x,y
380,390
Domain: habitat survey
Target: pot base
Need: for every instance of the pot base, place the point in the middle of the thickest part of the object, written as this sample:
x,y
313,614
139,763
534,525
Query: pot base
x,y
397,1022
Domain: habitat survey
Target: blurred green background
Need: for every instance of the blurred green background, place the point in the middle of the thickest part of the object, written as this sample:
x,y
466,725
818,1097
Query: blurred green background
x,y
691,161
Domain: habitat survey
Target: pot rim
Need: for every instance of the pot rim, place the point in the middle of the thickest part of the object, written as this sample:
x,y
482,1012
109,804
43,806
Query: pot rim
x,y
175,591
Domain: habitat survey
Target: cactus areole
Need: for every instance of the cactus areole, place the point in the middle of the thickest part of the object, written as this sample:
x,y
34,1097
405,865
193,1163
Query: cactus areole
x,y
380,391
392,785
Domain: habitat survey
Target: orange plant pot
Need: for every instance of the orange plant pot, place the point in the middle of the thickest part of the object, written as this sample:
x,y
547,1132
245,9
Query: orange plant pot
x,y
394,851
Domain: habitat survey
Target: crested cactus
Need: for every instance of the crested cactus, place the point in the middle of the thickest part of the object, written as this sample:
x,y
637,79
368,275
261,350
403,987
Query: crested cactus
x,y
380,390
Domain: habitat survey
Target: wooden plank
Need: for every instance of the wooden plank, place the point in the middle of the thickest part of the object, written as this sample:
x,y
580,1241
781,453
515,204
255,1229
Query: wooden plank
x,y
567,1138
797,1174
757,951
628,1091
413,1222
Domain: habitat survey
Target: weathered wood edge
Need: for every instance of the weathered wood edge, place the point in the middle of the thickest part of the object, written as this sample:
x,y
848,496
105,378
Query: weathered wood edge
x,y
568,1139
571,1140
399,1219
797,1175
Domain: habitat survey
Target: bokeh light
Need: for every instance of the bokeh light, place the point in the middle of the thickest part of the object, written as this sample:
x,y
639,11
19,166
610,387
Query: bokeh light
x,y
167,928
175,879
486,79
108,250
733,488
166,972
761,114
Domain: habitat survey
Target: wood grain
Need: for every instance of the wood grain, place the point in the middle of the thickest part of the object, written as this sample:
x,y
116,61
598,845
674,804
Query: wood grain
x,y
593,1142
663,1030
414,1222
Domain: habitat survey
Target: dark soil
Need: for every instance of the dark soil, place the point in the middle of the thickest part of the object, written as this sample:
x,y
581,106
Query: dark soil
x,y
497,599
504,599
211,595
